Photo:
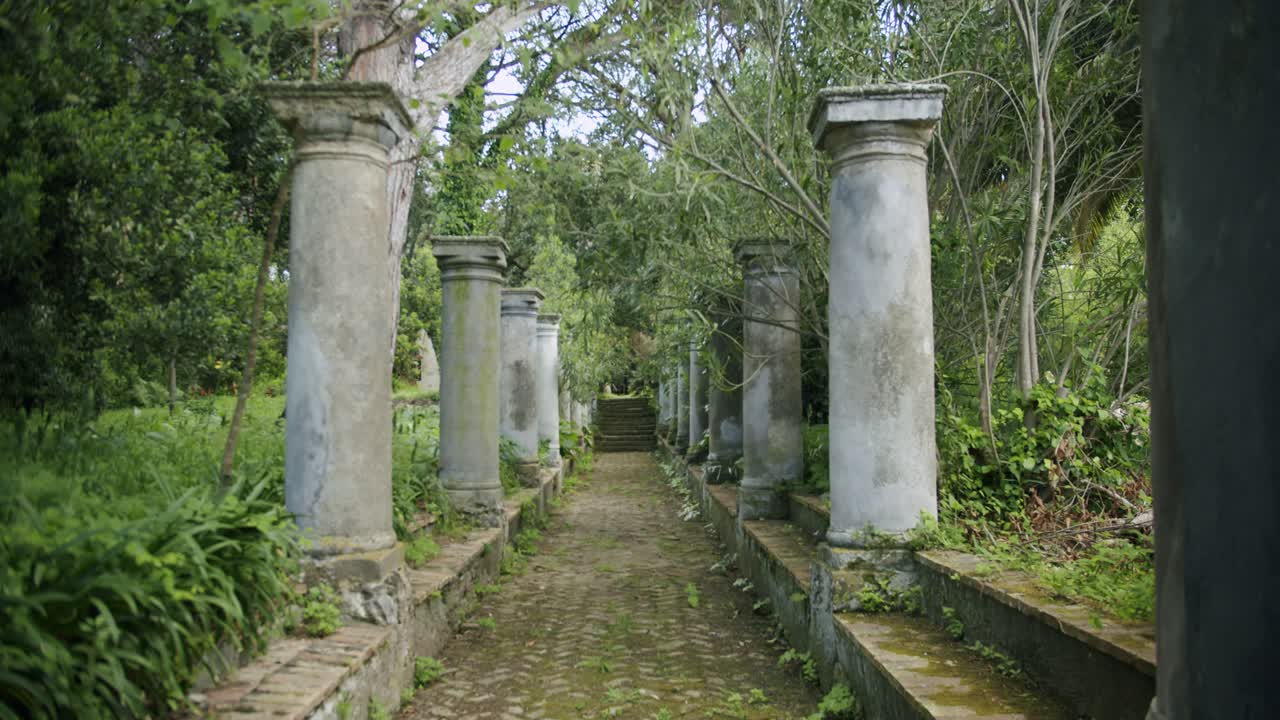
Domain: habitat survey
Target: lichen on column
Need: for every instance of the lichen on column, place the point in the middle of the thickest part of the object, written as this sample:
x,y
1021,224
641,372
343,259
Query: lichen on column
x,y
880,312
338,426
519,402
773,438
471,272
549,386
724,416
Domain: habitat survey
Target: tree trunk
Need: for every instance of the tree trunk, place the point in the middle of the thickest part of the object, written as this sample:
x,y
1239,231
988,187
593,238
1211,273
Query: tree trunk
x,y
173,383
255,327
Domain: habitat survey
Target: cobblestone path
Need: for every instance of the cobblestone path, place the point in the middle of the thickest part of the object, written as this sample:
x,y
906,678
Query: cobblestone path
x,y
601,622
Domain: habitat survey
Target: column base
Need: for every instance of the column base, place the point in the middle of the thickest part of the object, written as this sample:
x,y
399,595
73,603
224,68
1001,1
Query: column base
x,y
869,538
370,584
333,545
761,503
720,471
483,507
858,575
553,459
527,472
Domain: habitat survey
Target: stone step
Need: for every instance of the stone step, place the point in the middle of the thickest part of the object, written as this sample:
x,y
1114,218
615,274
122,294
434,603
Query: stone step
x,y
618,445
608,428
1104,666
628,433
630,415
906,667
619,406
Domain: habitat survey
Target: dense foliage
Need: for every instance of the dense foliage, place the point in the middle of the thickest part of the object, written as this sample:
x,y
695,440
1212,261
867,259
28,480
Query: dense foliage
x,y
122,565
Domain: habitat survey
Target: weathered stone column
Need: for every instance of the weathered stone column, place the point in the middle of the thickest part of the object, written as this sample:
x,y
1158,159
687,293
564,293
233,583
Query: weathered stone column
x,y
429,378
673,401
682,409
519,403
697,399
880,311
662,406
549,386
471,271
338,426
725,414
1211,96
773,436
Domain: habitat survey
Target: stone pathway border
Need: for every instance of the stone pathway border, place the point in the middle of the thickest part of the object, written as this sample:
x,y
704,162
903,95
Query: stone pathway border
x,y
337,676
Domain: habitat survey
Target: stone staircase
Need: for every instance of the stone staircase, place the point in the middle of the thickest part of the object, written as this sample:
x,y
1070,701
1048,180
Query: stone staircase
x,y
625,425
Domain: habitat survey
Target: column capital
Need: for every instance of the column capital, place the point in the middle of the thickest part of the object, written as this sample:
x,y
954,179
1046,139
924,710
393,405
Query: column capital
x,y
876,121
476,257
548,323
339,110
764,257
521,301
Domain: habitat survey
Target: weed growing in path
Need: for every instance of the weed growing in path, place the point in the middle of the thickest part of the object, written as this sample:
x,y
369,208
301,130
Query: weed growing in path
x,y
426,670
320,613
692,596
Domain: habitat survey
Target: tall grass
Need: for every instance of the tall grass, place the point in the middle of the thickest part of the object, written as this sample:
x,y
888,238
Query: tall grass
x,y
122,563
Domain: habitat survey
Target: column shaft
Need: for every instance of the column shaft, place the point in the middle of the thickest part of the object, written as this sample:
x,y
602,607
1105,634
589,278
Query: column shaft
x,y
471,272
725,414
682,409
880,313
1211,96
773,435
697,397
549,386
519,401
338,427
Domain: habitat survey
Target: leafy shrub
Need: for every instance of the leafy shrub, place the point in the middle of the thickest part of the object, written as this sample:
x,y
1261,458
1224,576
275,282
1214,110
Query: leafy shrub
x,y
817,466
415,452
420,551
426,670
321,614
838,704
1078,442
508,460
110,615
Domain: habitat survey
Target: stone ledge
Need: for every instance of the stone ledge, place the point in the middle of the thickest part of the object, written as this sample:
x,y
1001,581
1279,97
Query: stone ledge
x,y
811,513
296,676
905,668
311,678
1107,671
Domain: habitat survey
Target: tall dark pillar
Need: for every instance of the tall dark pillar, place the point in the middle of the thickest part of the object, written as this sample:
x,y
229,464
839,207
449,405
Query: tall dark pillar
x,y
1211,99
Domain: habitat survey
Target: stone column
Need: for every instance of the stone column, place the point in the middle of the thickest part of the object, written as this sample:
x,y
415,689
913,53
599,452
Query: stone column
x,y
429,380
1211,96
673,399
682,409
662,406
880,312
697,399
549,386
338,426
471,272
773,433
725,414
518,416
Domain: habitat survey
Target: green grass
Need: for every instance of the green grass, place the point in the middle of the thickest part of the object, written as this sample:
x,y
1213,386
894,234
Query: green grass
x,y
123,559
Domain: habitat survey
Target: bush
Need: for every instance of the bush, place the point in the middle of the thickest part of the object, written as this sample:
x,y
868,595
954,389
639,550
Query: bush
x,y
426,670
1079,447
817,466
321,615
106,615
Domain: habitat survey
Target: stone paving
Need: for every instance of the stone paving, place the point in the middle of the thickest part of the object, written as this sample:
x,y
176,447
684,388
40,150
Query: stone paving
x,y
601,622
